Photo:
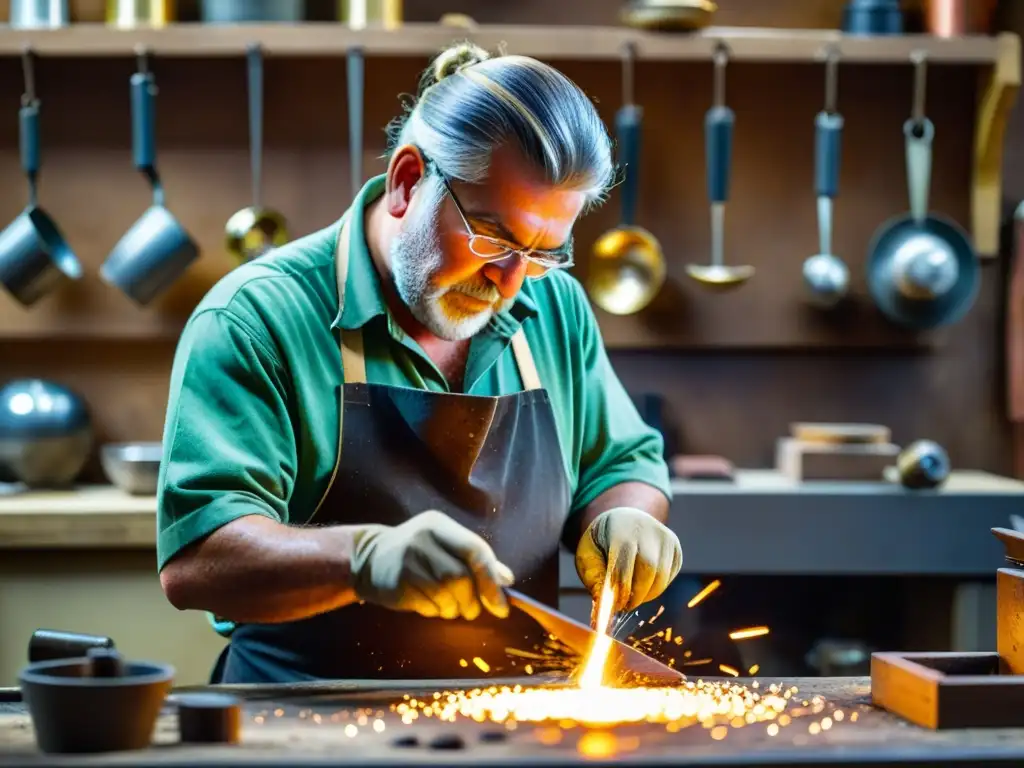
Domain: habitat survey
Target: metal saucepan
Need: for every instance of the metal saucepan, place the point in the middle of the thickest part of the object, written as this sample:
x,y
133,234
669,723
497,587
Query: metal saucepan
x,y
127,14
157,249
826,276
34,257
922,270
718,127
39,14
355,69
253,231
253,11
628,267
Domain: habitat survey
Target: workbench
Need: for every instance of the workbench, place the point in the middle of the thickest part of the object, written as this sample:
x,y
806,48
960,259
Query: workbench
x,y
296,726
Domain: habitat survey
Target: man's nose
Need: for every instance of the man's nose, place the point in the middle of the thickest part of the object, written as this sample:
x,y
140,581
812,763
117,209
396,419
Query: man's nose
x,y
507,274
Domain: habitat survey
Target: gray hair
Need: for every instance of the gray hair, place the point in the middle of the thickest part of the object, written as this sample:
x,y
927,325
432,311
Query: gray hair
x,y
469,104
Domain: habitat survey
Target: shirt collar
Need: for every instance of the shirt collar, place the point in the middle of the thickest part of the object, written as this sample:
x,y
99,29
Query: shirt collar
x,y
363,297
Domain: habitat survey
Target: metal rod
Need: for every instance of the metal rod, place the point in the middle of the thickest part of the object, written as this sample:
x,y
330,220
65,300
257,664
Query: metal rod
x,y
28,98
142,59
920,61
721,59
628,58
832,79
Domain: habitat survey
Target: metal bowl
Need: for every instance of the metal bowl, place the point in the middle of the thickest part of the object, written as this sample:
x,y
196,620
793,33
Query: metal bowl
x,y
132,467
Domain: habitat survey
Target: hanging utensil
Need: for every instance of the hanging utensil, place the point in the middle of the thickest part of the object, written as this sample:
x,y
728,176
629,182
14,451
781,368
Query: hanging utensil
x,y
253,231
922,269
628,266
718,127
355,69
157,249
34,256
826,276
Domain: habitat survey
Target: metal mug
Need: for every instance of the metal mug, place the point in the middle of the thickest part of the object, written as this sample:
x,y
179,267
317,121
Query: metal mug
x,y
39,14
34,257
156,250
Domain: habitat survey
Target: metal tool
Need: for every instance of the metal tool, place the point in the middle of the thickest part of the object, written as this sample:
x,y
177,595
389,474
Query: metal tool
x,y
156,250
34,256
254,230
826,276
623,661
668,15
628,267
39,14
718,127
922,270
355,70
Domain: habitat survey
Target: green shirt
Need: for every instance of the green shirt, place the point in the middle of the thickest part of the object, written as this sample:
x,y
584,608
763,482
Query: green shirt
x,y
252,419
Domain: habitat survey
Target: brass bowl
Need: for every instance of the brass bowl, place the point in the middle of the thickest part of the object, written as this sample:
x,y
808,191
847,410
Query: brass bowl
x,y
668,15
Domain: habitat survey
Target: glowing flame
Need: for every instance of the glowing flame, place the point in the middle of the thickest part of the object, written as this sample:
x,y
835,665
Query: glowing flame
x,y
593,670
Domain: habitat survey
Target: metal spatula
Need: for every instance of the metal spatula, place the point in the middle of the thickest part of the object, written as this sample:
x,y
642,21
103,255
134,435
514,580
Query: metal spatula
x,y
623,661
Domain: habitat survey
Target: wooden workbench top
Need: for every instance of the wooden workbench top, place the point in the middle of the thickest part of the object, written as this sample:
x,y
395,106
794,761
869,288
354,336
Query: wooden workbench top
x,y
305,727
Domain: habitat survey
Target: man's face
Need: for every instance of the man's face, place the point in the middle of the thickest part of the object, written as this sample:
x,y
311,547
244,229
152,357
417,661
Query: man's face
x,y
448,288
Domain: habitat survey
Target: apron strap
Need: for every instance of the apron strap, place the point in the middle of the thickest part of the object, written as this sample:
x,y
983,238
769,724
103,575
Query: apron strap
x,y
524,359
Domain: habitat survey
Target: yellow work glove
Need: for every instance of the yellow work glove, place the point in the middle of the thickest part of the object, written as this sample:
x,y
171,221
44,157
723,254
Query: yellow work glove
x,y
430,565
637,554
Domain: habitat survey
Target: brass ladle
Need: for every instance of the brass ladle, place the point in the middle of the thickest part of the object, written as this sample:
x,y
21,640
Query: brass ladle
x,y
253,231
718,126
628,267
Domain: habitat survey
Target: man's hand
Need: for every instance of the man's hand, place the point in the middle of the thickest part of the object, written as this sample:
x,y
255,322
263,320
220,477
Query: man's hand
x,y
637,554
430,565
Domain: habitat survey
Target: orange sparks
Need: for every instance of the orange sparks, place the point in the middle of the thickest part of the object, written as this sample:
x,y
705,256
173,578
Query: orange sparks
x,y
661,610
753,670
745,634
728,670
699,597
481,664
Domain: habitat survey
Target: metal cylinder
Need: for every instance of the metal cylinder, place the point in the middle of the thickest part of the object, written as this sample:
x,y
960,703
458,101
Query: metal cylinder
x,y
39,14
952,18
126,14
253,11
363,13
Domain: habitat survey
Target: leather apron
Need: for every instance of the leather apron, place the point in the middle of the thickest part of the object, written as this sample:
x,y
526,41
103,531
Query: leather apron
x,y
493,464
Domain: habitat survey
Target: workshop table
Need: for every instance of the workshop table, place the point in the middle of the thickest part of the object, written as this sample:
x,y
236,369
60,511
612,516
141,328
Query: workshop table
x,y
299,726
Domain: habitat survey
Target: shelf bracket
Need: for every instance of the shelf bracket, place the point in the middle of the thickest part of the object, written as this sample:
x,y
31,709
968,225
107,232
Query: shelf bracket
x,y
999,90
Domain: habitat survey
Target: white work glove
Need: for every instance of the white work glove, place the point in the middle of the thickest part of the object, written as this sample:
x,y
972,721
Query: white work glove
x,y
430,565
637,554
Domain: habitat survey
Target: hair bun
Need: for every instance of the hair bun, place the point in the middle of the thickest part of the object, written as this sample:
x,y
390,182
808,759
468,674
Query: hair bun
x,y
450,61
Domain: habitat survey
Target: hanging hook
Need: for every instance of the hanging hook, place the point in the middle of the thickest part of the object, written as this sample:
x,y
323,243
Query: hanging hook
x,y
628,59
831,78
28,98
920,62
721,59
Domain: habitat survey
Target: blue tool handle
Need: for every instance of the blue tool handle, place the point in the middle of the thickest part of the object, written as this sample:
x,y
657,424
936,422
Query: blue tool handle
x,y
143,91
718,127
628,121
28,130
828,134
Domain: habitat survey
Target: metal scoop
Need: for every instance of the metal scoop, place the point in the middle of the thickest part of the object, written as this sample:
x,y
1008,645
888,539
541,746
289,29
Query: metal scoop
x,y
623,661
718,125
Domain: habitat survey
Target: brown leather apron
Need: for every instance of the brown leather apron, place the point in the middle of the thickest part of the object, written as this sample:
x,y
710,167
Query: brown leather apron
x,y
493,464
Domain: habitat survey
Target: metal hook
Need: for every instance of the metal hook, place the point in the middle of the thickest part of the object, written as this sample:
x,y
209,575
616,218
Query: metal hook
x,y
28,98
721,59
920,62
832,57
628,58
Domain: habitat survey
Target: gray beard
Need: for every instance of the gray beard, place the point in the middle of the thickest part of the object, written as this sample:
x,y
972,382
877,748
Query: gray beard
x,y
415,256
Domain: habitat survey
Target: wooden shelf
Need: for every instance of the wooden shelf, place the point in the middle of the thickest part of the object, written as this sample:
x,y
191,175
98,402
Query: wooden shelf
x,y
546,42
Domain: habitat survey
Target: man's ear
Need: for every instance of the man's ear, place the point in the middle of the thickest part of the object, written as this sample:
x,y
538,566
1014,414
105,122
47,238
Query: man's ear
x,y
405,170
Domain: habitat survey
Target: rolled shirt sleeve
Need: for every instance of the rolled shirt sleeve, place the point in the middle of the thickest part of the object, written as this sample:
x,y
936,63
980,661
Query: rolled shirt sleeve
x,y
229,444
617,445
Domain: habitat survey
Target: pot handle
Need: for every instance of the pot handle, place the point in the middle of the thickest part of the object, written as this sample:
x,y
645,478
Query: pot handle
x,y
627,127
143,95
919,135
28,129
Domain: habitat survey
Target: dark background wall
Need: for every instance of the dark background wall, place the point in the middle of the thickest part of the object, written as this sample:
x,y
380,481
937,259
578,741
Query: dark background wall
x,y
735,369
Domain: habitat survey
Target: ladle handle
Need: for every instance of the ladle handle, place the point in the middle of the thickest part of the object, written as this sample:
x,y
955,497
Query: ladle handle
x,y
254,57
28,130
628,122
718,128
828,134
355,71
919,135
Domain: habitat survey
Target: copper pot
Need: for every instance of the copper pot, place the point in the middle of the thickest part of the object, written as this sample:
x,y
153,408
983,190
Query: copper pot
x,y
953,18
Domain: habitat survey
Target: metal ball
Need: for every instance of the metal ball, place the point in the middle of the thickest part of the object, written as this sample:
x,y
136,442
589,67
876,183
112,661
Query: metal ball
x,y
826,278
923,464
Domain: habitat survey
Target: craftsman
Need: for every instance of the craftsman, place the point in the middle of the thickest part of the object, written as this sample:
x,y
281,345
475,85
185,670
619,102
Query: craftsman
x,y
376,428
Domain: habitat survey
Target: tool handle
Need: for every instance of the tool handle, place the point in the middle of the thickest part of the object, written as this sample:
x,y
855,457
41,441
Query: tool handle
x,y
919,135
143,90
47,644
254,56
828,133
628,121
28,125
718,128
356,74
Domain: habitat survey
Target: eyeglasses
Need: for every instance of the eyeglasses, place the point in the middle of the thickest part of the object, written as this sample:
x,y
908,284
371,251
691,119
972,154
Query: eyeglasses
x,y
495,249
